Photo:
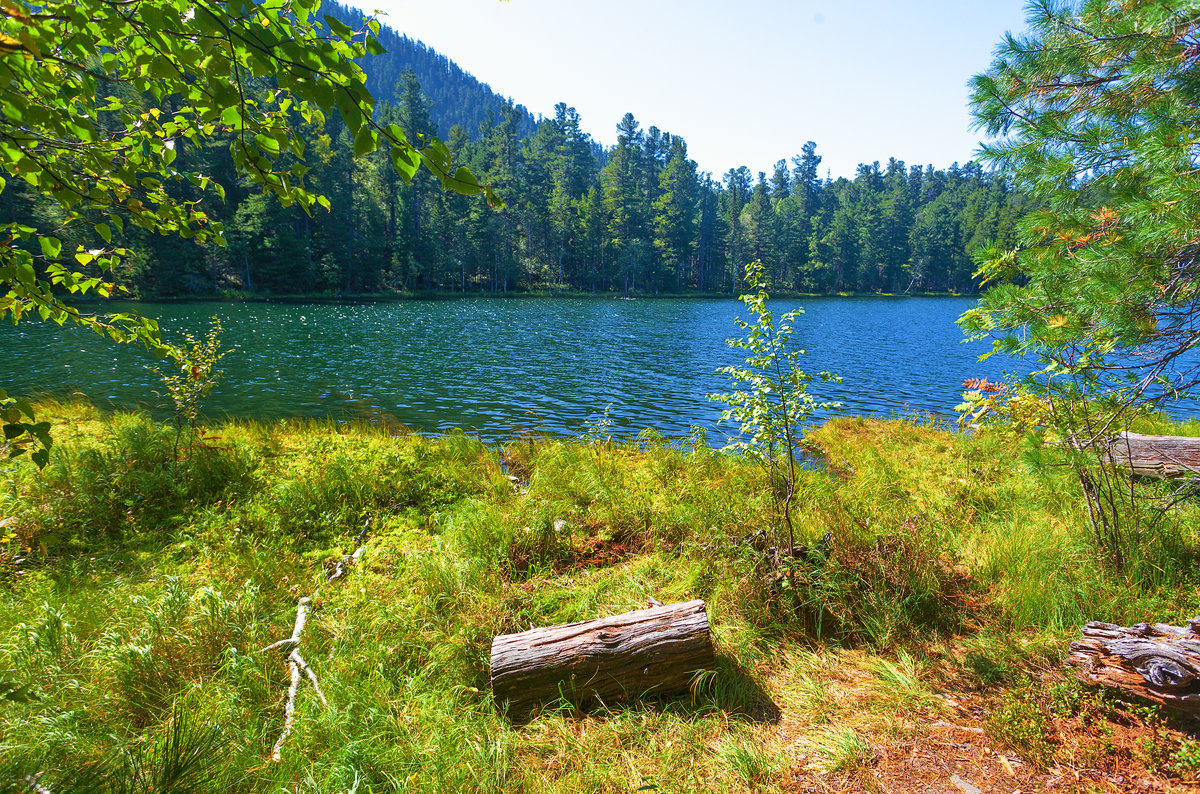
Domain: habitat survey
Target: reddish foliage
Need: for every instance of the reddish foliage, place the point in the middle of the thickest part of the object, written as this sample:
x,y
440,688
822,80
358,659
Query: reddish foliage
x,y
984,385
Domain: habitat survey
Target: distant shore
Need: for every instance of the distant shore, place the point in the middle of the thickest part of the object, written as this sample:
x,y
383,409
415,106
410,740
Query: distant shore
x,y
234,296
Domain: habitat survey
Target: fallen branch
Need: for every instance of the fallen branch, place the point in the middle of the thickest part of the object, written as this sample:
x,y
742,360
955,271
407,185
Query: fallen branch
x,y
348,560
285,644
1157,662
1156,457
296,664
296,659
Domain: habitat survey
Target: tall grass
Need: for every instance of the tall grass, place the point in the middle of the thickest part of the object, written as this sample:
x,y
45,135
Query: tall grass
x,y
136,589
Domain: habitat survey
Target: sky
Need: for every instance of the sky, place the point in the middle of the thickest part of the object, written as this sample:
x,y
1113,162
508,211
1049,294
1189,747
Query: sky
x,y
744,83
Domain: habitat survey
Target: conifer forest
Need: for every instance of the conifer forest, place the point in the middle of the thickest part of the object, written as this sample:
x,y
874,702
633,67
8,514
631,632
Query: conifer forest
x,y
638,217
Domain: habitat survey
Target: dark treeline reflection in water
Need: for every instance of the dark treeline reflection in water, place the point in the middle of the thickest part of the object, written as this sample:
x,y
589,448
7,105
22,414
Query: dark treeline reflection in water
x,y
503,366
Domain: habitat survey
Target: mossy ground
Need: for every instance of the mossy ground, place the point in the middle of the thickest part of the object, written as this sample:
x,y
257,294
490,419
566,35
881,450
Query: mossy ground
x,y
137,584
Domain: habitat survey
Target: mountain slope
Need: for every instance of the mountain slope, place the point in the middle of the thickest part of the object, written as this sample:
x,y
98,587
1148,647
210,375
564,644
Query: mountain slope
x,y
457,96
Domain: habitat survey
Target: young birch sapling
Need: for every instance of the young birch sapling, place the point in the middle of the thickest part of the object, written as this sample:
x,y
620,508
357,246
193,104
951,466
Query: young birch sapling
x,y
770,400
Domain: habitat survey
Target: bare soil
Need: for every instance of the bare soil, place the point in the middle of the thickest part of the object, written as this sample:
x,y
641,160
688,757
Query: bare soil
x,y
954,753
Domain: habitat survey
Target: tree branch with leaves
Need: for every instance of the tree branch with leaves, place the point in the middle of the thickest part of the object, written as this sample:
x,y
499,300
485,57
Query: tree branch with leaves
x,y
98,97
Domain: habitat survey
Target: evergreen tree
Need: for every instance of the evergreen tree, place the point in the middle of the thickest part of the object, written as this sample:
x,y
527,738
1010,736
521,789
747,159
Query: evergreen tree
x,y
675,216
737,194
625,201
1095,113
762,230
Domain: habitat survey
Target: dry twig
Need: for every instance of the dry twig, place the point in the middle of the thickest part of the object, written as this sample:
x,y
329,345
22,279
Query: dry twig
x,y
295,663
291,645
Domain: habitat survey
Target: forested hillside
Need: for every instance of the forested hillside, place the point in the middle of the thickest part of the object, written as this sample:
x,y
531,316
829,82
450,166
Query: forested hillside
x,y
455,96
639,217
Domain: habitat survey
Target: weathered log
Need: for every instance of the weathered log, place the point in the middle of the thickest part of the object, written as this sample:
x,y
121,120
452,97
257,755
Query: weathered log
x,y
1157,662
650,651
1159,457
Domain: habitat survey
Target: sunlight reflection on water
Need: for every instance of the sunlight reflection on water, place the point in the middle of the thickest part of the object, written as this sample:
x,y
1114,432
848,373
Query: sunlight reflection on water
x,y
497,366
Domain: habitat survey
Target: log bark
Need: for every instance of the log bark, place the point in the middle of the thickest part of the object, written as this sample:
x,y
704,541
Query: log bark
x,y
654,651
1157,662
1159,457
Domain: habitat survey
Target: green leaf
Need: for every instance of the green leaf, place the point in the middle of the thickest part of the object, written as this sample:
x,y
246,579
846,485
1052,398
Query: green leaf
x,y
105,232
25,408
339,29
232,116
464,182
349,110
51,247
42,432
365,141
267,144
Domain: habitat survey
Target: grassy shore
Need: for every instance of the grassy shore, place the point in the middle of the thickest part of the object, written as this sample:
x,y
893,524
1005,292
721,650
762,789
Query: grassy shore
x,y
137,585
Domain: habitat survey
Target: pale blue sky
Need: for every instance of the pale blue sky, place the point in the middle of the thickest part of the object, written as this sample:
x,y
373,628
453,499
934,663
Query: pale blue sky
x,y
744,83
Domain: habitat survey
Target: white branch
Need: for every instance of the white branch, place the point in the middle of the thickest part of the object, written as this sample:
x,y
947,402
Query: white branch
x,y
296,659
291,645
296,664
289,712
349,560
285,644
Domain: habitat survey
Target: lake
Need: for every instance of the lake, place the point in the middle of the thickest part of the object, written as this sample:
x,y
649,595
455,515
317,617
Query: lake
x,y
500,366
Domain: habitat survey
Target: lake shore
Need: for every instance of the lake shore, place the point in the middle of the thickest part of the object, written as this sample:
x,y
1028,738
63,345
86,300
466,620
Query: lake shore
x,y
141,574
235,296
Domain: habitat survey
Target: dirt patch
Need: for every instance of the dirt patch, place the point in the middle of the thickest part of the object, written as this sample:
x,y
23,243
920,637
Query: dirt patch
x,y
555,550
597,553
955,753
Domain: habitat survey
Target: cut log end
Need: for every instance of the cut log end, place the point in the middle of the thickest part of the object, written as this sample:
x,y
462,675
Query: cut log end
x,y
1157,457
655,651
1155,662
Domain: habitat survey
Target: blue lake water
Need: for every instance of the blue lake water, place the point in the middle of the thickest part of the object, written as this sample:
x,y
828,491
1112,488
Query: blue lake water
x,y
500,366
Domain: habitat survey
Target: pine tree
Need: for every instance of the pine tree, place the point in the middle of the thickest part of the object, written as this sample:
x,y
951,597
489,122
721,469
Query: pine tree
x,y
1096,115
763,231
737,189
625,201
675,216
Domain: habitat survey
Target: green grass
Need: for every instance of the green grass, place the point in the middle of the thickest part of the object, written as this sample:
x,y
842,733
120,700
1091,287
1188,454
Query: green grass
x,y
136,590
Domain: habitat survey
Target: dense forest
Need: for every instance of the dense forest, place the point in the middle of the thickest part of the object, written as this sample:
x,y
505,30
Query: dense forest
x,y
637,217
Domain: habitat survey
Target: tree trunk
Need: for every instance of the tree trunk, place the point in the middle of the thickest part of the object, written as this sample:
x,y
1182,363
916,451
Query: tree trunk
x,y
649,651
1157,662
1156,456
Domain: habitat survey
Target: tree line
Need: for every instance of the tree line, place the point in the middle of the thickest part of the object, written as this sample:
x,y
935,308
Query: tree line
x,y
639,216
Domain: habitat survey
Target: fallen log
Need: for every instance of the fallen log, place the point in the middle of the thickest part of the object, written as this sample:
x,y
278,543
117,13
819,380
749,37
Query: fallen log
x,y
650,651
1159,457
1157,662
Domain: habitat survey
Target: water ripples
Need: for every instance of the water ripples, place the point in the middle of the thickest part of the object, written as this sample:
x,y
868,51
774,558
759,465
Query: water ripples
x,y
498,366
